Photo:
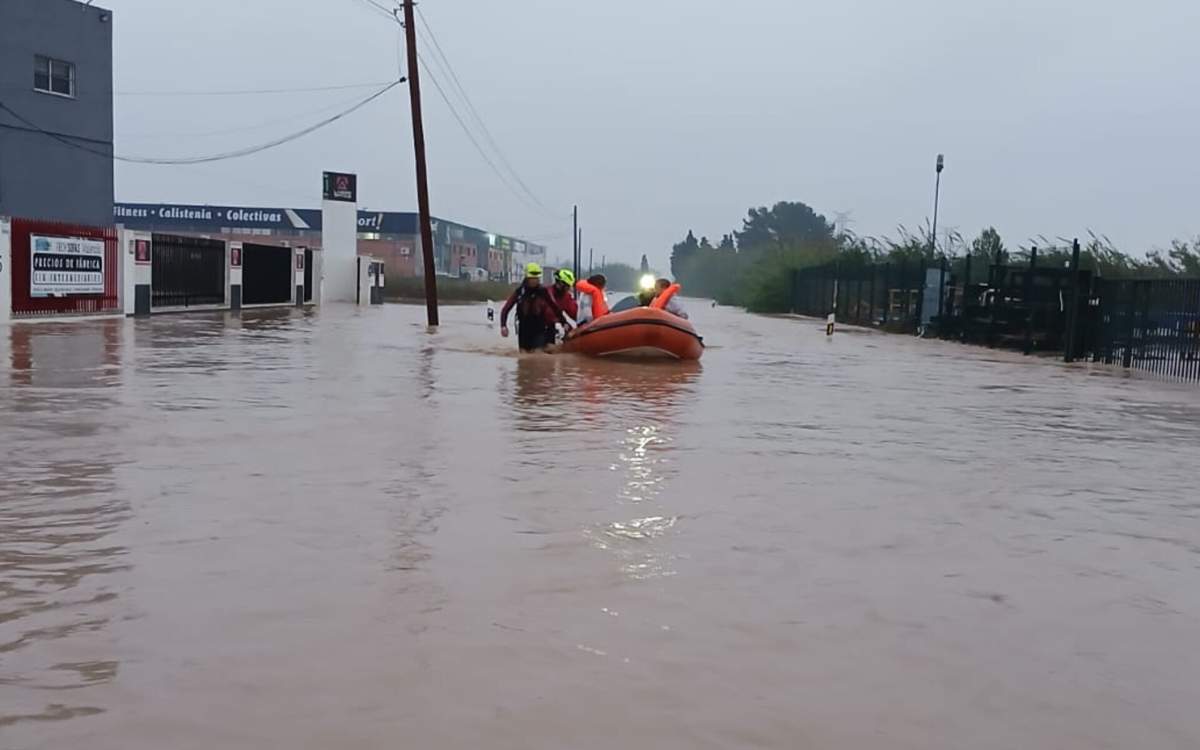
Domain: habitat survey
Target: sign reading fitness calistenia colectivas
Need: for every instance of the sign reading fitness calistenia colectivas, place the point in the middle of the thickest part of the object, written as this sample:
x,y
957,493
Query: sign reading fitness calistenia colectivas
x,y
65,266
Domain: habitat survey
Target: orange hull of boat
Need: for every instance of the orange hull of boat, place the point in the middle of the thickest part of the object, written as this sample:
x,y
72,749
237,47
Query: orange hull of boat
x,y
640,332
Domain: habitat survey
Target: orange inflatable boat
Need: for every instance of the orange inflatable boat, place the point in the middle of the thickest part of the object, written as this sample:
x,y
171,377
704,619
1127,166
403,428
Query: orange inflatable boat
x,y
638,332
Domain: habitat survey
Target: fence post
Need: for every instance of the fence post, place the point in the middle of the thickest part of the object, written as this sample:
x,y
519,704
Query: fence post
x,y
966,296
1127,355
921,274
887,293
1073,311
837,289
1142,326
942,291
871,303
1027,293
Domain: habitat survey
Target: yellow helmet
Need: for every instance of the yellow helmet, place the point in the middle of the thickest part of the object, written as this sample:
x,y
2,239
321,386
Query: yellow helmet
x,y
565,276
533,270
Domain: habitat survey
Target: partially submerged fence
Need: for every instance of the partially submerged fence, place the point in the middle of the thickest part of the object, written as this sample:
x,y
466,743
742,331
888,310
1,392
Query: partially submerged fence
x,y
884,295
1151,325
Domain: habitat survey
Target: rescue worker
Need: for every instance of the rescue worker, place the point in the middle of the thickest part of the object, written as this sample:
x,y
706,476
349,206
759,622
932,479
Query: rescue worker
x,y
593,287
536,311
560,292
670,304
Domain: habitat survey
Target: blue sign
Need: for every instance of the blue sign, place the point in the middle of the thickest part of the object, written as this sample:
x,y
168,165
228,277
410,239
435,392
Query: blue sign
x,y
184,217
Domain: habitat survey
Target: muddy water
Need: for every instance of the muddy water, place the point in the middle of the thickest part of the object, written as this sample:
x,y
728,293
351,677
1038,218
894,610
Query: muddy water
x,y
338,530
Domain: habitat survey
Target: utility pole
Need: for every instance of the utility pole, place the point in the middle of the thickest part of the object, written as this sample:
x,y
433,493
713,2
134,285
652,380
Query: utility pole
x,y
591,250
575,234
418,130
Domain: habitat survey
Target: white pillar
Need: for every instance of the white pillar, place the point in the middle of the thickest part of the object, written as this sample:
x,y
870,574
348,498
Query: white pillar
x,y
339,237
298,275
135,248
5,271
234,252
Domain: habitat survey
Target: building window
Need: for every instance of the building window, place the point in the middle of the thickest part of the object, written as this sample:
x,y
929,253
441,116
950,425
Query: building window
x,y
53,76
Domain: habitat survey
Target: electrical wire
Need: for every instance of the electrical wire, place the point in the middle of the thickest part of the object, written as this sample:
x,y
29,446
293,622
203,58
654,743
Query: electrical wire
x,y
257,92
525,196
290,118
237,153
373,5
471,136
462,92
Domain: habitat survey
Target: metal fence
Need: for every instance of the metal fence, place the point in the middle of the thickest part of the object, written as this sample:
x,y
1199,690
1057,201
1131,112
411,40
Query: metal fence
x,y
27,304
885,295
186,271
1151,325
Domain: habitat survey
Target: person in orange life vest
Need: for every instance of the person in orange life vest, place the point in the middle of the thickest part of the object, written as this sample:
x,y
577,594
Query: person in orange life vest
x,y
664,298
593,287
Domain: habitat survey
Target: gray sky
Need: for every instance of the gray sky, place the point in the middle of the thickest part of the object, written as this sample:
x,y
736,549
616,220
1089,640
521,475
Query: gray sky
x,y
657,116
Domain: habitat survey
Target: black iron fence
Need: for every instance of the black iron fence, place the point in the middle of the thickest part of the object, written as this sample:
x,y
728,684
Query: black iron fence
x,y
186,271
883,295
1151,325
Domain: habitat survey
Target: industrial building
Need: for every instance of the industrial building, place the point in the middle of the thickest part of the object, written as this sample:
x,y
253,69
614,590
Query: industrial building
x,y
56,111
459,250
67,249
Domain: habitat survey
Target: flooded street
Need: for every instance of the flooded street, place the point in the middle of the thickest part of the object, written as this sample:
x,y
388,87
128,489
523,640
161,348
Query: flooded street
x,y
336,530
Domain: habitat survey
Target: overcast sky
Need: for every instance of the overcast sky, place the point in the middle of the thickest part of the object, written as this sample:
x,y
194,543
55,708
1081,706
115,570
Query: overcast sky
x,y
657,116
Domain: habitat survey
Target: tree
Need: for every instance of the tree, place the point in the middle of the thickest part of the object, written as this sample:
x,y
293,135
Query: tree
x,y
988,245
727,243
645,264
682,253
784,223
1181,259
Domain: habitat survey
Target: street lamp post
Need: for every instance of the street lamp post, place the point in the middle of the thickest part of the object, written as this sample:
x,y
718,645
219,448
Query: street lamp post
x,y
937,189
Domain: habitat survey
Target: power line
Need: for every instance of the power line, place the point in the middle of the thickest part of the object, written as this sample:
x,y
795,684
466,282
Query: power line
x,y
256,92
373,5
342,102
65,140
527,197
487,134
470,136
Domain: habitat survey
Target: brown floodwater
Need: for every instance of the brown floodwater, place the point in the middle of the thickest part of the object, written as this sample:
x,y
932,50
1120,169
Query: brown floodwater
x,y
337,530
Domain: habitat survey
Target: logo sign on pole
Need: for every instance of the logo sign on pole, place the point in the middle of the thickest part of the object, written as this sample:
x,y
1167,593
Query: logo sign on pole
x,y
65,266
340,186
141,252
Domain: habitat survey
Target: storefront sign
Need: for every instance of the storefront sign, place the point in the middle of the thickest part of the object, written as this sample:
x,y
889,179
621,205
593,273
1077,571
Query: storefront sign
x,y
141,252
65,266
339,186
162,216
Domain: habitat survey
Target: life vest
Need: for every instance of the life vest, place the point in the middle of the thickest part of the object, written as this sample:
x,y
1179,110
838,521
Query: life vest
x,y
660,302
531,303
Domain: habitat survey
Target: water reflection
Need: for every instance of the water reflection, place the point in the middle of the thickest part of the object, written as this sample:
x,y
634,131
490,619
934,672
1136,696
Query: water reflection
x,y
59,510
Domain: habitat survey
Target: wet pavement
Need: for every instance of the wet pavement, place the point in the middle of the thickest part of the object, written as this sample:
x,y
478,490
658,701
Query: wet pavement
x,y
334,529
